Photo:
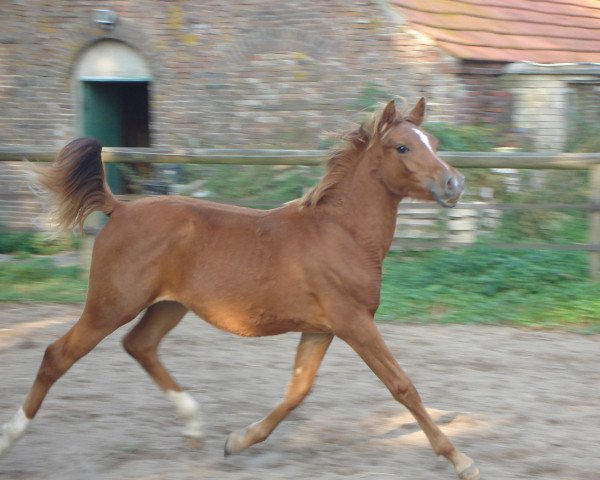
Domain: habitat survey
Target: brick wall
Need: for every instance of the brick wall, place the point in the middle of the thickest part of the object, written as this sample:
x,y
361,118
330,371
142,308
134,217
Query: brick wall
x,y
547,98
484,99
237,74
20,209
225,74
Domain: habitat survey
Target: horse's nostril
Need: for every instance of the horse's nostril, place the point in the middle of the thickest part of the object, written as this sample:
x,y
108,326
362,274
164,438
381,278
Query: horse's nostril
x,y
451,185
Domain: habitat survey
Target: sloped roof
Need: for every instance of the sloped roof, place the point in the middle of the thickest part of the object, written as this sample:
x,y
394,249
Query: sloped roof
x,y
541,31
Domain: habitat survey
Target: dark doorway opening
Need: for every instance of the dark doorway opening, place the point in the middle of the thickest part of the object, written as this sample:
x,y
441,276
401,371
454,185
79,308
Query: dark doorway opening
x,y
117,114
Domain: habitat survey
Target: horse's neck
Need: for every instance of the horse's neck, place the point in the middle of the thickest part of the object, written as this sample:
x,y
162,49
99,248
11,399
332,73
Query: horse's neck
x,y
363,204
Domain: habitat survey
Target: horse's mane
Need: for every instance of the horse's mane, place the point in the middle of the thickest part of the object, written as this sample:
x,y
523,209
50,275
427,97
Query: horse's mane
x,y
344,159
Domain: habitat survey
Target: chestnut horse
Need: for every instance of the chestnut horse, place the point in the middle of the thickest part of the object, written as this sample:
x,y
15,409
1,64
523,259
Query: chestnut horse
x,y
311,266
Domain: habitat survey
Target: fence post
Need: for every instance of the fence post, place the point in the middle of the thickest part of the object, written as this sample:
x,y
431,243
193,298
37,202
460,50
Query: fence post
x,y
594,219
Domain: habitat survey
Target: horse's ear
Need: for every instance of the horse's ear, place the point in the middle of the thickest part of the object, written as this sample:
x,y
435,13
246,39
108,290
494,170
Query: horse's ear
x,y
417,114
388,117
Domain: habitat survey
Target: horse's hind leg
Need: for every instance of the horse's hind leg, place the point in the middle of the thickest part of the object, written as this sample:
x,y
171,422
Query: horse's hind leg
x,y
91,328
367,342
309,355
142,344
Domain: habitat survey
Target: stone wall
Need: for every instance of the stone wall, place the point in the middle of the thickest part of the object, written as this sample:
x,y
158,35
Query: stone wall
x,y
540,109
484,98
20,209
225,73
233,74
548,98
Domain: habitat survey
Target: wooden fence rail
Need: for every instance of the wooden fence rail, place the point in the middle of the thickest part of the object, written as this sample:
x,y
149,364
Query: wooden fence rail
x,y
486,160
518,160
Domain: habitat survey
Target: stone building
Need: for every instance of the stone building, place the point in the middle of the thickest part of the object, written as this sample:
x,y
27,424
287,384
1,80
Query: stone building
x,y
536,60
264,73
218,74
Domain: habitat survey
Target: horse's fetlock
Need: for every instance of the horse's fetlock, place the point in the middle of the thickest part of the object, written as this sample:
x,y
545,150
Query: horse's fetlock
x,y
257,433
444,449
187,408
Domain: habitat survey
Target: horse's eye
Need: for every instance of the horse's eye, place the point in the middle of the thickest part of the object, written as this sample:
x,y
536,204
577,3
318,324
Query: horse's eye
x,y
402,149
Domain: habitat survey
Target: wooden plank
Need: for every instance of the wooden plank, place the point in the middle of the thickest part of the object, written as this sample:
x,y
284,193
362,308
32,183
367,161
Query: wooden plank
x,y
521,160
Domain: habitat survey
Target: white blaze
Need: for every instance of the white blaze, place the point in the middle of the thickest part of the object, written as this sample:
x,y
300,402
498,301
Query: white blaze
x,y
424,138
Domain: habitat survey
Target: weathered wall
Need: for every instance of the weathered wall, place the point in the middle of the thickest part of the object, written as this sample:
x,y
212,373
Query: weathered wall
x,y
225,74
545,102
237,74
540,107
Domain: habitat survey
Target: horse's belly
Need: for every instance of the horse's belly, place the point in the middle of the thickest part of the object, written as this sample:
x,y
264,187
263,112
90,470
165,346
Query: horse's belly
x,y
258,322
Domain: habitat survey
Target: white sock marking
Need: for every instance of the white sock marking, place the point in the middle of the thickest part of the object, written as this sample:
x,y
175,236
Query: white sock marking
x,y
187,409
12,430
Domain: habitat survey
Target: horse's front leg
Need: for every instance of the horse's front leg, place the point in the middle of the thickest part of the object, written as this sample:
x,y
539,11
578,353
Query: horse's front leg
x,y
365,339
309,355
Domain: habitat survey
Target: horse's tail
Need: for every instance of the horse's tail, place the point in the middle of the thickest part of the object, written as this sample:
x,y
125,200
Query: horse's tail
x,y
75,182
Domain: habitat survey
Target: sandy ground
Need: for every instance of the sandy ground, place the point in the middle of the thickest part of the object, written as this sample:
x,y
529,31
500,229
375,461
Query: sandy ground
x,y
524,404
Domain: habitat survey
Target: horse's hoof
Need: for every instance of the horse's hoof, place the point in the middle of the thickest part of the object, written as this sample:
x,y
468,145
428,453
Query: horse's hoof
x,y
227,451
235,443
232,444
469,473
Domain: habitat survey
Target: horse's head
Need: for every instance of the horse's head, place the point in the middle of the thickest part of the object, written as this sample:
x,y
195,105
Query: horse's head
x,y
410,166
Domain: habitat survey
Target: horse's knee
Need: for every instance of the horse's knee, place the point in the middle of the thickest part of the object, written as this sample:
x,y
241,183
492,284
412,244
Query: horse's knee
x,y
136,349
405,393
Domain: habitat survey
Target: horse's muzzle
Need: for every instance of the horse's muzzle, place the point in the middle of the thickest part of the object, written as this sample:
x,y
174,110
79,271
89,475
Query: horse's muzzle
x,y
449,190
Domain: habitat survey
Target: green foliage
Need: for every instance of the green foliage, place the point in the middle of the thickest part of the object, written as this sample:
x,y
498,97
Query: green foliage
x,y
476,285
554,226
36,243
584,139
370,97
259,184
484,285
463,138
566,226
40,280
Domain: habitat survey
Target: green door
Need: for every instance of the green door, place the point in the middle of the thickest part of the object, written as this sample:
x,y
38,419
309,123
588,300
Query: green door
x,y
116,113
102,121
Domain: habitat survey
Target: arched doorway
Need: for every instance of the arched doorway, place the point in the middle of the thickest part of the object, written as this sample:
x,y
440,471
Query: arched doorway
x,y
113,86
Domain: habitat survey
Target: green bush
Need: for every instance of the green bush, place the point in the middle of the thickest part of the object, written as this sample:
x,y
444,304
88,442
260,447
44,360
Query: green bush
x,y
464,138
485,285
36,243
256,184
555,226
40,280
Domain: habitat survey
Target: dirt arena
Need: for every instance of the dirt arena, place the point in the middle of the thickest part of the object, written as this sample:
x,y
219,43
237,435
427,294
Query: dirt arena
x,y
523,404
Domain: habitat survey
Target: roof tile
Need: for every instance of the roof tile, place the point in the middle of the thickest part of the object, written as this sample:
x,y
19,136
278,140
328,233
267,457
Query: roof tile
x,y
542,31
